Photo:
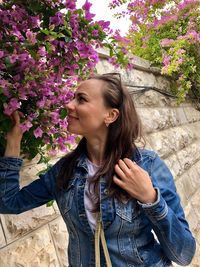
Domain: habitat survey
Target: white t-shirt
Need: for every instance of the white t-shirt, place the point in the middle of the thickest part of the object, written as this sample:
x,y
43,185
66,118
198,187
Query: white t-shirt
x,y
88,200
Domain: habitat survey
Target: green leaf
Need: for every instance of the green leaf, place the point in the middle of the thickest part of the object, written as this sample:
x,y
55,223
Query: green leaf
x,y
45,31
60,35
7,62
63,113
67,32
48,47
50,203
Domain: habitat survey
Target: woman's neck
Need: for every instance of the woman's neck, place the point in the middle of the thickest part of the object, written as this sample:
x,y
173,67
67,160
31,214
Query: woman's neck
x,y
95,150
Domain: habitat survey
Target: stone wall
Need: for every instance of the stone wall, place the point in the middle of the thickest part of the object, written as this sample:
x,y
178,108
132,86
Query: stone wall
x,y
38,238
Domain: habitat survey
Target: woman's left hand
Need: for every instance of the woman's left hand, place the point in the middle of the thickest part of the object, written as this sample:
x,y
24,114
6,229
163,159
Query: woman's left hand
x,y
135,181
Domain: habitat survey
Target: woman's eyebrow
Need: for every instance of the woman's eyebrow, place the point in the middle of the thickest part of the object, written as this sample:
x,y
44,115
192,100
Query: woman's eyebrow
x,y
80,94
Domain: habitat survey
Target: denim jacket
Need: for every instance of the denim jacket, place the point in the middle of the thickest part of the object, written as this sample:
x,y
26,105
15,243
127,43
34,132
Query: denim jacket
x,y
128,225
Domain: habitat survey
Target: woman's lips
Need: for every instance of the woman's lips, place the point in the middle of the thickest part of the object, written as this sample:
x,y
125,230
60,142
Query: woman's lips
x,y
71,118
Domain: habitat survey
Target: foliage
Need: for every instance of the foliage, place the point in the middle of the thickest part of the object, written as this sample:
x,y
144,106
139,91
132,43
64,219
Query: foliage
x,y
46,47
167,33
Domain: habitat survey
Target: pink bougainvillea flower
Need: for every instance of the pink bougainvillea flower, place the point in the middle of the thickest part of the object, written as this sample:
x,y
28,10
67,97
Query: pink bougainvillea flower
x,y
38,132
26,125
31,36
166,60
95,32
58,19
87,5
13,58
166,42
71,4
12,105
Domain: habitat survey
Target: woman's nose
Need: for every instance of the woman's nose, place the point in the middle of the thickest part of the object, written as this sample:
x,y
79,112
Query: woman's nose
x,y
70,105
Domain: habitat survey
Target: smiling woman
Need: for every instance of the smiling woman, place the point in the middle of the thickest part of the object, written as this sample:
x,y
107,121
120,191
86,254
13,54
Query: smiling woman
x,y
87,112
107,189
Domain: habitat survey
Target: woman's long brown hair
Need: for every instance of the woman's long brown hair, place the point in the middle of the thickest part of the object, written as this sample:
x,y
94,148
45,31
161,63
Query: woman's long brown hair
x,y
120,143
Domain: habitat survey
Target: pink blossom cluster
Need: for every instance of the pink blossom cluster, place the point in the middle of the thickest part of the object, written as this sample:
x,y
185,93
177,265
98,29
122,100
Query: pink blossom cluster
x,y
164,19
186,4
192,36
166,32
122,57
143,11
42,57
115,3
138,10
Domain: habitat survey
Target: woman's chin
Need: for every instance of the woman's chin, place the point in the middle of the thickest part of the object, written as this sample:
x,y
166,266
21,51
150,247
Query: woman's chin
x,y
73,131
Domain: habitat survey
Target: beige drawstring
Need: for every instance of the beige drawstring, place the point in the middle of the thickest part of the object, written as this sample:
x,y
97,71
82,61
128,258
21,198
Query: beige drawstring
x,y
100,237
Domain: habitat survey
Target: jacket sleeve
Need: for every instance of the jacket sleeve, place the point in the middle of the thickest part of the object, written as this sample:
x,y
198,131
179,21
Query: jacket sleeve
x,y
14,200
167,216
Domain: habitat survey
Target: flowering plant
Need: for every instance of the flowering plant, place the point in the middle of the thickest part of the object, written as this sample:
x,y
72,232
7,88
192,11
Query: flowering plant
x,y
167,32
46,46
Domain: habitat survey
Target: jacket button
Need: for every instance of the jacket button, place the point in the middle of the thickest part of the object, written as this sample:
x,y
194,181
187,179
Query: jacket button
x,y
106,191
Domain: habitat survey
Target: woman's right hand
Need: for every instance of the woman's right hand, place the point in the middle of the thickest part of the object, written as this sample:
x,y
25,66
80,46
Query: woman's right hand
x,y
14,136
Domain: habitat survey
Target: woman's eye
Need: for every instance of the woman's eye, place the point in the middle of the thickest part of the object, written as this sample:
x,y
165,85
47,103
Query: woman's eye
x,y
81,99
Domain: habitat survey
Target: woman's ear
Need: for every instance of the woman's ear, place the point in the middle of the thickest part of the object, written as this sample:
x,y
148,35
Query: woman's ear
x,y
112,116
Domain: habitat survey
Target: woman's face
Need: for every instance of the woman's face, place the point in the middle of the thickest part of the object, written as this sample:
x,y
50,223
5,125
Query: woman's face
x,y
87,113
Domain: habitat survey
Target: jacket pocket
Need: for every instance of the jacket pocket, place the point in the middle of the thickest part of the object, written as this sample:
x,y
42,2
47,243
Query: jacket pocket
x,y
130,223
128,210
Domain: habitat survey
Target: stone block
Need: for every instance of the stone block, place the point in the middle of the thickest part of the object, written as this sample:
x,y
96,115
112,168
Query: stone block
x,y
30,172
189,155
107,67
16,226
2,237
195,202
163,84
180,114
161,146
138,61
171,140
137,77
174,165
197,235
190,132
192,114
181,192
194,128
55,207
191,217
157,119
60,237
185,181
27,162
35,250
124,77
194,174
149,99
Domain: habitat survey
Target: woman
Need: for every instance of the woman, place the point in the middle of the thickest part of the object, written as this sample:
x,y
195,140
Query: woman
x,y
130,190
